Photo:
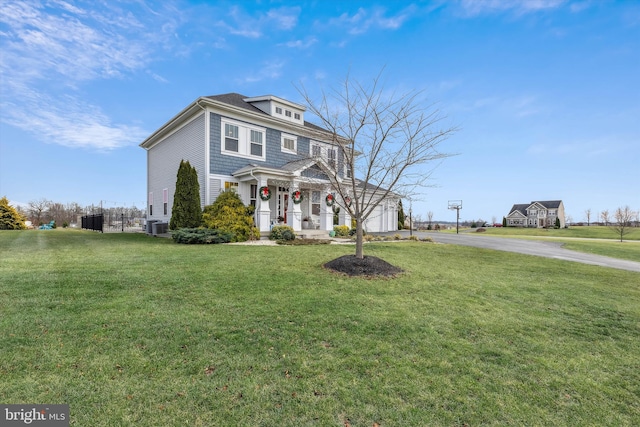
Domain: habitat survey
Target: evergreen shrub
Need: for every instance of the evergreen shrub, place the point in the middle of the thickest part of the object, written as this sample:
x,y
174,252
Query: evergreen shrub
x,y
186,212
282,232
200,236
10,218
230,215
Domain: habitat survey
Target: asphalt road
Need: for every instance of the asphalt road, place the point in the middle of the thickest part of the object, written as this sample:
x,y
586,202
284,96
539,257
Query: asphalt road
x,y
528,247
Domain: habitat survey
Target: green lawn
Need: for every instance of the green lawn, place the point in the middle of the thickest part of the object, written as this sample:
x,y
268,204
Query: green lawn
x,y
596,240
592,232
135,330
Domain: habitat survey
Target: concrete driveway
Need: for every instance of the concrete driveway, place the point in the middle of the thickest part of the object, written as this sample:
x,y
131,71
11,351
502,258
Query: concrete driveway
x,y
527,247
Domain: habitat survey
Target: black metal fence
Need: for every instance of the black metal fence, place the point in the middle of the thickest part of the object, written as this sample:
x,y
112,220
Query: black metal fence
x,y
111,222
93,222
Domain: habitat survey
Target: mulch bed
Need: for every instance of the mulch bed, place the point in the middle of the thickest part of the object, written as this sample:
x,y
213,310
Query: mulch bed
x,y
368,266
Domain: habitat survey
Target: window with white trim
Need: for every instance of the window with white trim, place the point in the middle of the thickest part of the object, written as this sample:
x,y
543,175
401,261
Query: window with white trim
x,y
331,157
230,137
289,143
243,140
253,195
315,203
231,186
165,200
256,143
278,110
151,203
326,152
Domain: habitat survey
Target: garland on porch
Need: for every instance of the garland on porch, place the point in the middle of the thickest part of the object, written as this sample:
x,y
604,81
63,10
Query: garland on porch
x,y
297,197
265,193
329,200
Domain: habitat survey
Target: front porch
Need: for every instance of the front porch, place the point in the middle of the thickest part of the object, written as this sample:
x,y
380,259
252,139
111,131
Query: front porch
x,y
301,206
298,194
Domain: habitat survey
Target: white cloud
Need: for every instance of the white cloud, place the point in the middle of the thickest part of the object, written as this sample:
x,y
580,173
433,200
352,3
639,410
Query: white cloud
x,y
366,19
519,7
269,70
69,122
51,49
302,44
242,24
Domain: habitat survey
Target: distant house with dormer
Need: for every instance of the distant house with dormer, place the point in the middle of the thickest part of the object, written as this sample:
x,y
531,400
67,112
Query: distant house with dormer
x,y
537,214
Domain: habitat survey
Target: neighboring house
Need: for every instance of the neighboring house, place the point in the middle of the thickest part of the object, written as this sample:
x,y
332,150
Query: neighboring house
x,y
245,145
537,214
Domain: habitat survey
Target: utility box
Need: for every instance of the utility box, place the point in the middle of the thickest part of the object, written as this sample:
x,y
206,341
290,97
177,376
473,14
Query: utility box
x,y
150,223
159,228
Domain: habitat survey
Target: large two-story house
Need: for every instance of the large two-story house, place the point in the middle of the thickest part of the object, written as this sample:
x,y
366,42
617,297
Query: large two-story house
x,y
263,149
537,214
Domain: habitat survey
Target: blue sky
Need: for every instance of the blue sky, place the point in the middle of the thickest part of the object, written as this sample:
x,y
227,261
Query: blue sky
x,y
546,93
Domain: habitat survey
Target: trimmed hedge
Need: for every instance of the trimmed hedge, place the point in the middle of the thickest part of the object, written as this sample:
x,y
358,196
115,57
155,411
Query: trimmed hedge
x,y
200,236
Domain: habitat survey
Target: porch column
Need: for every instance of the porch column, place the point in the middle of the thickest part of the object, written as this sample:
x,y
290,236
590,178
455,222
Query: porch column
x,y
326,212
263,216
344,218
294,213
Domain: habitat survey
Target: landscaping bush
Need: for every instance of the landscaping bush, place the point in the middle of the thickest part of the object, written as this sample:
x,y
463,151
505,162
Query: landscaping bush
x,y
10,218
230,215
282,232
201,236
341,230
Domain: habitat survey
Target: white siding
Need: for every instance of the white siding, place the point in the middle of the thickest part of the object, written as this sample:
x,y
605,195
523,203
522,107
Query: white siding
x,y
215,186
163,161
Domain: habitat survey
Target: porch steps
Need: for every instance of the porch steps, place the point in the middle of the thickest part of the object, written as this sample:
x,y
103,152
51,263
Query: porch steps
x,y
313,234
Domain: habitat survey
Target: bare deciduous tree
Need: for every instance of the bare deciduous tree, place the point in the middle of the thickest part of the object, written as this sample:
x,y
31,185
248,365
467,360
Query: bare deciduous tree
x,y
624,218
37,209
429,219
604,217
387,142
587,214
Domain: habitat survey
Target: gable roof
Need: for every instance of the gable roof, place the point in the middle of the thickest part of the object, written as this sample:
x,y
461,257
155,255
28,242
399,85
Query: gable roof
x,y
239,100
522,208
549,204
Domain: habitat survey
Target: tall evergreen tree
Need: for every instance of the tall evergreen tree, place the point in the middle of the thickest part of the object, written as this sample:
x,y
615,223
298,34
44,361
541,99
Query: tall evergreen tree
x,y
186,211
10,218
401,215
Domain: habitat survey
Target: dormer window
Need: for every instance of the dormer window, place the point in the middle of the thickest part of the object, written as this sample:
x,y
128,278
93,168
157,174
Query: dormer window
x,y
279,107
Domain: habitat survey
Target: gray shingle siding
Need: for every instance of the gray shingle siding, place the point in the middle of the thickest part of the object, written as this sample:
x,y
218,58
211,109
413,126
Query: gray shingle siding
x,y
164,159
275,158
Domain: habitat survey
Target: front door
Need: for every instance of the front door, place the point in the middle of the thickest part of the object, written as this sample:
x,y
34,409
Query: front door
x,y
283,202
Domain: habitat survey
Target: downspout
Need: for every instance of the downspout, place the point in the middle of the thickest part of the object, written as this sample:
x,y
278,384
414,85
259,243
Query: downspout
x,y
207,158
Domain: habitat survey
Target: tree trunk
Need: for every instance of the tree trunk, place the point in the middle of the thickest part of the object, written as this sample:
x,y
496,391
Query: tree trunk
x,y
359,240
